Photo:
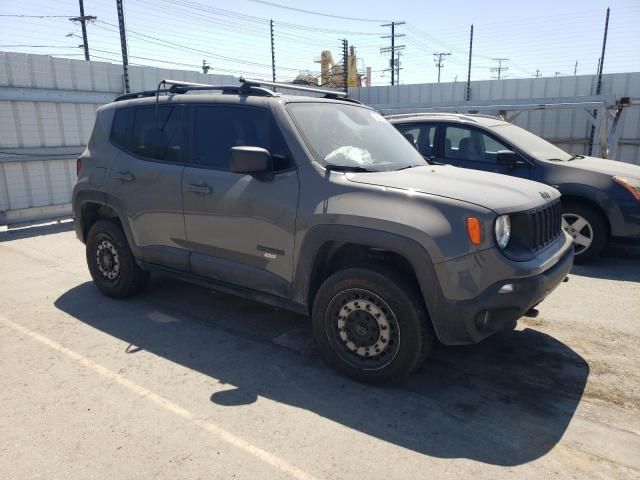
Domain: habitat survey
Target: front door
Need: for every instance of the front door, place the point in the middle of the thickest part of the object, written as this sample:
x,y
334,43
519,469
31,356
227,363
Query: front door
x,y
146,180
470,147
240,227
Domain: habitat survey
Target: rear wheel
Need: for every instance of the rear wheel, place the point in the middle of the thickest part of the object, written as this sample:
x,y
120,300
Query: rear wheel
x,y
588,228
112,265
371,324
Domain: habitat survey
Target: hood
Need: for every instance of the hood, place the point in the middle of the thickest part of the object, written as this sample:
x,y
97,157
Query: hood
x,y
500,193
606,167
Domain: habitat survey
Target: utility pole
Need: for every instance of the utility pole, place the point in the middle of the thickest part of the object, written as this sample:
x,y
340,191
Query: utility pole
x,y
123,45
575,68
83,23
205,66
558,74
345,64
538,73
398,69
438,62
393,48
469,72
600,68
604,47
273,54
499,68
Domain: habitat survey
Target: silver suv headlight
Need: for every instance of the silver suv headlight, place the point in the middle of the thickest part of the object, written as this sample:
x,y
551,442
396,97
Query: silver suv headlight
x,y
503,230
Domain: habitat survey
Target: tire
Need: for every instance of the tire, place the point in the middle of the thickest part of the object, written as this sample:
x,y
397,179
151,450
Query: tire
x,y
373,301
592,232
112,265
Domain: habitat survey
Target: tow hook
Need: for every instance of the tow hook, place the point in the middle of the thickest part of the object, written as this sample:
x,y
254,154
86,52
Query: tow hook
x,y
532,313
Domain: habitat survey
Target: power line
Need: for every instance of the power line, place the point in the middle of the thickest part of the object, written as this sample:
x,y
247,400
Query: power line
x,y
393,48
438,62
499,68
35,16
311,12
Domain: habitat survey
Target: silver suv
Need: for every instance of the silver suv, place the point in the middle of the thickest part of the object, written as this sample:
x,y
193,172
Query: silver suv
x,y
317,205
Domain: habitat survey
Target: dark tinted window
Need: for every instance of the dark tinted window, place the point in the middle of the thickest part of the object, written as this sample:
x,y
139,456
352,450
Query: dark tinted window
x,y
421,136
220,127
150,132
120,132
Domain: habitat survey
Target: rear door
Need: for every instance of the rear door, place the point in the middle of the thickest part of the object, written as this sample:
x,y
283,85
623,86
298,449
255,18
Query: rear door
x,y
240,227
470,147
146,180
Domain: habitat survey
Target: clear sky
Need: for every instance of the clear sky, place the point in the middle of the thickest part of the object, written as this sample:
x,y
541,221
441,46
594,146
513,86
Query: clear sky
x,y
548,36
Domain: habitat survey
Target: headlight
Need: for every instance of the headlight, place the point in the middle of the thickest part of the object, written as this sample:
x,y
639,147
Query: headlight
x,y
631,184
503,230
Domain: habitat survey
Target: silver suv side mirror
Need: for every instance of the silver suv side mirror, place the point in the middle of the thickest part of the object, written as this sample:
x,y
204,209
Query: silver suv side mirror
x,y
250,160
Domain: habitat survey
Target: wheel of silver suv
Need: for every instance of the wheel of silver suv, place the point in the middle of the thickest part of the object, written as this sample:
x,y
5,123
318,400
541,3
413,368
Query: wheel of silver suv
x,y
580,229
587,226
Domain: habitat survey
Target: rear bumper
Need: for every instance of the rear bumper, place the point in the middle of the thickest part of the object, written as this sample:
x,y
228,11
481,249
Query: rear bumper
x,y
459,322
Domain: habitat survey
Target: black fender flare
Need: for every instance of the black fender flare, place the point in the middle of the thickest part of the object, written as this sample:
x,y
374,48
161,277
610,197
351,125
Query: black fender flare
x,y
411,250
94,196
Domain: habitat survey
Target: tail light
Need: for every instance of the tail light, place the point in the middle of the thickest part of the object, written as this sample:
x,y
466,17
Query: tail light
x,y
78,166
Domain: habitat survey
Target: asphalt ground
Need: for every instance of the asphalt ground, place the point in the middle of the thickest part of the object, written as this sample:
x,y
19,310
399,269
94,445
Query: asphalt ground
x,y
184,382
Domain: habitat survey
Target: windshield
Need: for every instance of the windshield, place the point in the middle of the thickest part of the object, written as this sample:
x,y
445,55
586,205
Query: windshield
x,y
530,143
352,136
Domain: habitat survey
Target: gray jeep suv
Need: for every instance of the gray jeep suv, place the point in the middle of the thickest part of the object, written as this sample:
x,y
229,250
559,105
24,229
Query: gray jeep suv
x,y
320,206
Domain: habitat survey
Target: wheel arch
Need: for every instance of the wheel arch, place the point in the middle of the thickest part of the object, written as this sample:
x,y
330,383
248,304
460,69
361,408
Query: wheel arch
x,y
588,202
328,248
90,206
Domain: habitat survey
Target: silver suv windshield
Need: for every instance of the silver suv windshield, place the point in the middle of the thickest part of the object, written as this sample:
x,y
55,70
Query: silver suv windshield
x,y
530,143
350,136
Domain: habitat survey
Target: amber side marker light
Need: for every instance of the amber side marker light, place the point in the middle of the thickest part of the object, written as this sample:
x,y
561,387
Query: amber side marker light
x,y
474,230
625,183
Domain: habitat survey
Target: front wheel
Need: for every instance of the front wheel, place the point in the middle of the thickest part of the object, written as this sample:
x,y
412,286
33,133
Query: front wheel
x,y
371,324
587,227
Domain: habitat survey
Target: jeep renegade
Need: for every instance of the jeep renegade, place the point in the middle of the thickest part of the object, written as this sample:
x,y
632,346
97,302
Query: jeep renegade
x,y
317,205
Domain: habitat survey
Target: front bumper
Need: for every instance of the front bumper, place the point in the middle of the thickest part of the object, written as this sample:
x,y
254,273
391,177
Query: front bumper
x,y
465,321
627,228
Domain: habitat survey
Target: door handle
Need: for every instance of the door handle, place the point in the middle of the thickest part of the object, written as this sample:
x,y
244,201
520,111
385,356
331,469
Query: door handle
x,y
125,176
200,188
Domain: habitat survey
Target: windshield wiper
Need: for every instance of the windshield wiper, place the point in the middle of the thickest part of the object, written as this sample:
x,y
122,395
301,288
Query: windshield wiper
x,y
347,168
408,166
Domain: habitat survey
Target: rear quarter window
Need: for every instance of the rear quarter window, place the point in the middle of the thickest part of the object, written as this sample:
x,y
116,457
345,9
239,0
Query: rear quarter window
x,y
121,128
150,132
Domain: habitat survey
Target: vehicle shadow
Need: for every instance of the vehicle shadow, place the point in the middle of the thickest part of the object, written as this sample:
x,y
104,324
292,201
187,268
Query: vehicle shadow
x,y
618,267
506,401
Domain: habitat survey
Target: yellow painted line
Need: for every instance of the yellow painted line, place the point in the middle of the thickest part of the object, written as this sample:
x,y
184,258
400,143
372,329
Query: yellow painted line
x,y
166,404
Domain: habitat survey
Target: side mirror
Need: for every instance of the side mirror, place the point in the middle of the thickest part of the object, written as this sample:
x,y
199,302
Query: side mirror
x,y
508,158
250,160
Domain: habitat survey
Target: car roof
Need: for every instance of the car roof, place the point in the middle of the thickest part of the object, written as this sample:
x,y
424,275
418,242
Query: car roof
x,y
467,118
229,99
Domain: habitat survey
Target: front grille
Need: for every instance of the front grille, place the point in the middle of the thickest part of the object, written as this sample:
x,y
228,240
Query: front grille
x,y
545,225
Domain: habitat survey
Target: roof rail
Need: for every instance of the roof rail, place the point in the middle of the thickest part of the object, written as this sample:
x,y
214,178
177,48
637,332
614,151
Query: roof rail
x,y
248,87
178,86
289,86
440,114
